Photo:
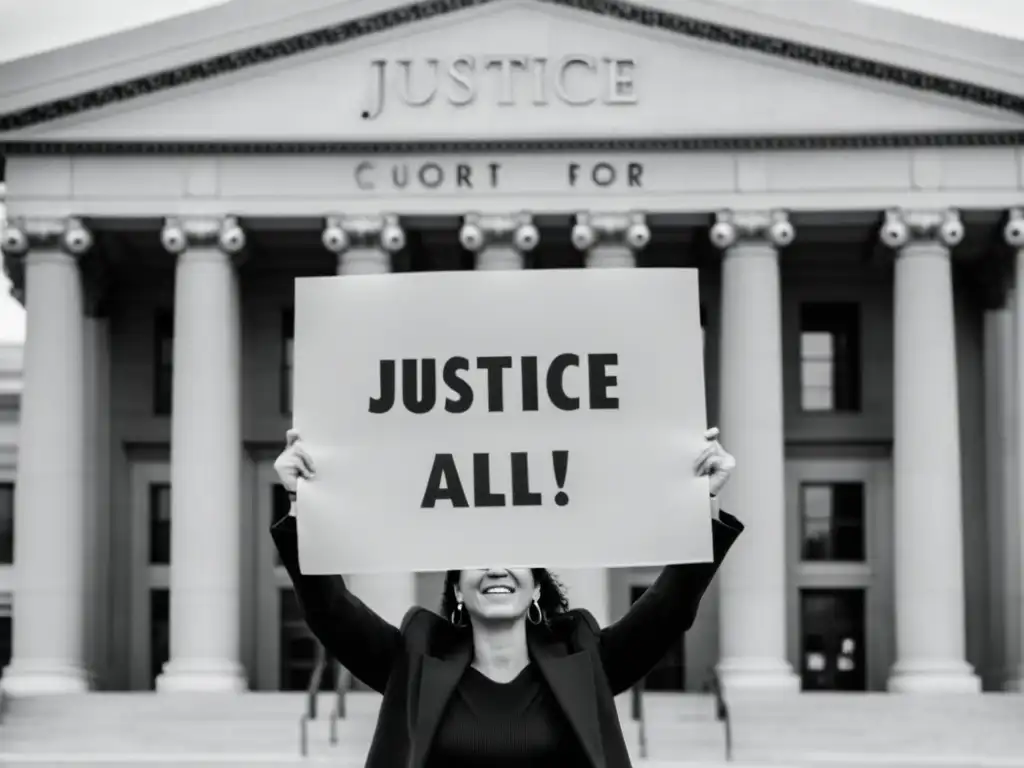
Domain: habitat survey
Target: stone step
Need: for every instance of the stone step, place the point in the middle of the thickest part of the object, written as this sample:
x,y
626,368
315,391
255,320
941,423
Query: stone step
x,y
194,760
141,704
865,730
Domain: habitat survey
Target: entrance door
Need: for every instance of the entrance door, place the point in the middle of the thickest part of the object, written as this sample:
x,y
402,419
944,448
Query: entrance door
x,y
286,649
840,572
832,640
151,560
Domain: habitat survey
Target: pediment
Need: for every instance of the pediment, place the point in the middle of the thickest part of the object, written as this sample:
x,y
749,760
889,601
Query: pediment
x,y
524,70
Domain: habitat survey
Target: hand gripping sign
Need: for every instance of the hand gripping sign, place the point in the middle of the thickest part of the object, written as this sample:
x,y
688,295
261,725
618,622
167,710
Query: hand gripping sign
x,y
471,419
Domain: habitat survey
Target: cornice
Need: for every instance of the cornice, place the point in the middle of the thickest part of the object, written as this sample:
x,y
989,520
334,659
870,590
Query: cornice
x,y
627,144
410,13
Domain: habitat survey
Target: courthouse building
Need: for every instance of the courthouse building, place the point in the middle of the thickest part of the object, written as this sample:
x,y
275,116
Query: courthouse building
x,y
848,181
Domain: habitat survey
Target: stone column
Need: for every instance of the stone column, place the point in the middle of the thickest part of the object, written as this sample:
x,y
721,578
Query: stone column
x,y
928,530
499,242
50,504
1000,464
607,241
1014,514
752,581
364,245
206,459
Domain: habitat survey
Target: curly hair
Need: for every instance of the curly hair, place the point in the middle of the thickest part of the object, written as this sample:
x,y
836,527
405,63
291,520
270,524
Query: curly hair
x,y
552,599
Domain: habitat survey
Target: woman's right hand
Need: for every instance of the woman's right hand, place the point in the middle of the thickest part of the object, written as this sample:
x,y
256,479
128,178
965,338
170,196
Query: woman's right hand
x,y
294,462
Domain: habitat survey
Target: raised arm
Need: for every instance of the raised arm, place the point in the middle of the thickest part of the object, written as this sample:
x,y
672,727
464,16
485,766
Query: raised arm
x,y
351,631
633,645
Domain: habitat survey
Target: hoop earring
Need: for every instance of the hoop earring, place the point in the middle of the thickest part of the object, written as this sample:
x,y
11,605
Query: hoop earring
x,y
460,613
540,613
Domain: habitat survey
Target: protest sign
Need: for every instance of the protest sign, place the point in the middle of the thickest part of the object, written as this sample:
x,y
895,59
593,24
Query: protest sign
x,y
476,419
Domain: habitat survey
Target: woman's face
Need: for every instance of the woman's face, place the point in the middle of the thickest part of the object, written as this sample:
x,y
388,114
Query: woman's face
x,y
496,594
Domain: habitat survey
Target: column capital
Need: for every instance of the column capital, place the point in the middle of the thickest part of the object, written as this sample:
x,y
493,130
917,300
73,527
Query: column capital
x,y
1013,232
516,230
901,227
595,228
69,235
344,232
178,235
771,227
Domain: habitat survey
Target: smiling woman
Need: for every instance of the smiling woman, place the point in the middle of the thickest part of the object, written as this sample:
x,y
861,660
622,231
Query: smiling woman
x,y
486,594
507,675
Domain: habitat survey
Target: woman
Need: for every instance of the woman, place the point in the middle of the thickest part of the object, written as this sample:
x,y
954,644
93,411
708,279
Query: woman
x,y
507,677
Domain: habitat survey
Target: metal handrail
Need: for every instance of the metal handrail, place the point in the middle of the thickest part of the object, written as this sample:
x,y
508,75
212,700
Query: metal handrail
x,y
342,684
721,711
312,693
640,717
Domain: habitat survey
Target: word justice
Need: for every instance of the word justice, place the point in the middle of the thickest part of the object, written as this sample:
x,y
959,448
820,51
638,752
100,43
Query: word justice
x,y
577,80
419,383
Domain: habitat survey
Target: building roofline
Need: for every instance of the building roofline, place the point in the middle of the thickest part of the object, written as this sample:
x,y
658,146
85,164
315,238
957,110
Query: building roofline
x,y
377,18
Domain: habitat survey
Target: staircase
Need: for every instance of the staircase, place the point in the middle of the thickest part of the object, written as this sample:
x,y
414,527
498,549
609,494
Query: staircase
x,y
677,728
225,730
263,729
879,729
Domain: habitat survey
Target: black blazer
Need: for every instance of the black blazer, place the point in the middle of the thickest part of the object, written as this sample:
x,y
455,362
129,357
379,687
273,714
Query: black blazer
x,y
418,666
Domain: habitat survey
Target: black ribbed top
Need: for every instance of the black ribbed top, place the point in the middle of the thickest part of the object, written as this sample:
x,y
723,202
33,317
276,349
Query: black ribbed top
x,y
504,725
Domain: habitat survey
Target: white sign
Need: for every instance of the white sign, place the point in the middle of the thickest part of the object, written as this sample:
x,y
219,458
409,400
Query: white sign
x,y
475,419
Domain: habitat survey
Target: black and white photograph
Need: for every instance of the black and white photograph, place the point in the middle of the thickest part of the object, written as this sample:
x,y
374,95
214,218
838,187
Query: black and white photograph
x,y
512,383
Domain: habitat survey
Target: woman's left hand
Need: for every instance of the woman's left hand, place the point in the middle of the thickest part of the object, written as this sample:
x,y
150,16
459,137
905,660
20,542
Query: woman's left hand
x,y
715,462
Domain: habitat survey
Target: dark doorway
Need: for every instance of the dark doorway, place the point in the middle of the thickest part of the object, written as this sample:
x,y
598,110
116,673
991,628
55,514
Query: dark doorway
x,y
832,640
670,673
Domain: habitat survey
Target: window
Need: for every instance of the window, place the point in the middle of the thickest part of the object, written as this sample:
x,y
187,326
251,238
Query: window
x,y
163,362
299,648
159,631
830,357
6,523
159,524
287,342
832,522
